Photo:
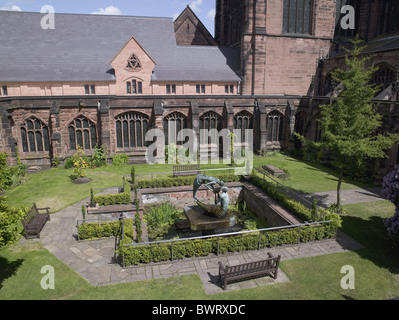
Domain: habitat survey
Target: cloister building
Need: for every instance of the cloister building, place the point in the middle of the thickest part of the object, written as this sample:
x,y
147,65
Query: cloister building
x,y
106,80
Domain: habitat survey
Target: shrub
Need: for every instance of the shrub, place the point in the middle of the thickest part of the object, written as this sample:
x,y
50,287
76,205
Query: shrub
x,y
160,215
10,176
9,219
98,157
120,159
80,163
179,181
135,255
98,230
111,199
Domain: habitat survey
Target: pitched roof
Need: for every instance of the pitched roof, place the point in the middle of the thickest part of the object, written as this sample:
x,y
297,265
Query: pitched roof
x,y
81,47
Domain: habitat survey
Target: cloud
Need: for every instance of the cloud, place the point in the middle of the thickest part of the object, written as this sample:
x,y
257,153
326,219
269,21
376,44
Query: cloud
x,y
111,10
211,14
12,8
196,5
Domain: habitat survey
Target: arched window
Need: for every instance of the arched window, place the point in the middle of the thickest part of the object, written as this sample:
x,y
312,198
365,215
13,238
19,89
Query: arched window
x,y
243,121
274,126
383,77
35,136
82,132
318,131
131,129
211,120
172,125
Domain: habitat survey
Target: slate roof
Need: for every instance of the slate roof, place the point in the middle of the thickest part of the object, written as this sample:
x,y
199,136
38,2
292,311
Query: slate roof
x,y
81,47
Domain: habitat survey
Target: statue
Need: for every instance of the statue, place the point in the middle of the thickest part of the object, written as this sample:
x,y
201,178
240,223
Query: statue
x,y
216,210
201,179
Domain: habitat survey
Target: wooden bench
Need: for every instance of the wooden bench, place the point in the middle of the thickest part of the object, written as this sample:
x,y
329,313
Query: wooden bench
x,y
186,170
249,270
35,221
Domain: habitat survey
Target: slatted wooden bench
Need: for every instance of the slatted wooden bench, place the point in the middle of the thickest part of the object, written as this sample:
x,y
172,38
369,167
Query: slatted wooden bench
x,y
35,221
186,170
268,267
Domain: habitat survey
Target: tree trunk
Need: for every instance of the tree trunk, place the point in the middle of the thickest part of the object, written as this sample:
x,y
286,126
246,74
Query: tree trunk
x,y
341,173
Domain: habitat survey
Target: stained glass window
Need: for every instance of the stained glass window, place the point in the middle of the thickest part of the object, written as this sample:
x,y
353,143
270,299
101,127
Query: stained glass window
x,y
131,129
35,136
82,132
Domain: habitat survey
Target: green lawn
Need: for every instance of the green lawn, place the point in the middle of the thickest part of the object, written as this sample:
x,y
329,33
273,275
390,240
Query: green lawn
x,y
55,189
376,266
318,278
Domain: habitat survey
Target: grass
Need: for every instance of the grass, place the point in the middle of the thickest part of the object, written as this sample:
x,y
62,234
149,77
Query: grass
x,y
55,189
317,278
307,177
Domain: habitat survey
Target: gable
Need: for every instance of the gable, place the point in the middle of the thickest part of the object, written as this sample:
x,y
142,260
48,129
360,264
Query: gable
x,y
133,61
189,30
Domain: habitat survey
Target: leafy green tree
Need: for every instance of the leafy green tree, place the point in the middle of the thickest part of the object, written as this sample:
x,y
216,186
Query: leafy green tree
x,y
350,122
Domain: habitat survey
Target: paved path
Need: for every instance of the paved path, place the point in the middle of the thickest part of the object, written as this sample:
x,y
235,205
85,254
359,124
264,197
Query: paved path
x,y
95,260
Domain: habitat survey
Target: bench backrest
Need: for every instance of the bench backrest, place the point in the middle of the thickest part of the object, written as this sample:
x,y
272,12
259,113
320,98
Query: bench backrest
x,y
252,267
33,212
192,167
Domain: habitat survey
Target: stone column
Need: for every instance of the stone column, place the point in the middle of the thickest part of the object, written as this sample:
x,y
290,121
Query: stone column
x,y
55,132
104,127
261,115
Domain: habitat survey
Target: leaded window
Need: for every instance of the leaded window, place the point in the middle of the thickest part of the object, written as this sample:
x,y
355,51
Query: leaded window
x,y
133,63
211,120
134,87
172,125
298,16
383,77
82,132
274,126
243,121
131,129
35,136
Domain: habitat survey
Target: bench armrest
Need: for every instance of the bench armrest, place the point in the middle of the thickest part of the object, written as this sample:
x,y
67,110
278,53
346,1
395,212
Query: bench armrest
x,y
42,209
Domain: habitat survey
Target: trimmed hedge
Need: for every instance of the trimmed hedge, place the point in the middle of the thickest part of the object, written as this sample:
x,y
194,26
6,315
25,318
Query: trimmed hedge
x,y
284,200
179,181
99,230
135,255
111,199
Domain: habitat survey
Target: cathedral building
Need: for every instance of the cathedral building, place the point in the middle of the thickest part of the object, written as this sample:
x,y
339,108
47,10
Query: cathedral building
x,y
107,80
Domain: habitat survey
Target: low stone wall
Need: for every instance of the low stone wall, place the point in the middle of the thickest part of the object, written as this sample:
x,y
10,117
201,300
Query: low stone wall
x,y
266,208
256,200
183,196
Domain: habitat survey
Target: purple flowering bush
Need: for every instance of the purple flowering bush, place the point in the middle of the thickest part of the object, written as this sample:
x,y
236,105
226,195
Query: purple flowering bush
x,y
390,190
392,225
390,186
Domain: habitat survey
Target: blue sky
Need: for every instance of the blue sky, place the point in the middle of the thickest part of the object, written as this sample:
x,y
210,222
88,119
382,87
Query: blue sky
x,y
204,9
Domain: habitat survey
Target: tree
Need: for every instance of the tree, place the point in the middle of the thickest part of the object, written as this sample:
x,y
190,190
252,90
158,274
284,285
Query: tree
x,y
350,122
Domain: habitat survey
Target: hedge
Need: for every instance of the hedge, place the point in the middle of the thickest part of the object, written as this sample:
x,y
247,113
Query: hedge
x,y
284,200
99,230
111,199
139,254
179,181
